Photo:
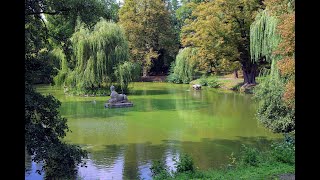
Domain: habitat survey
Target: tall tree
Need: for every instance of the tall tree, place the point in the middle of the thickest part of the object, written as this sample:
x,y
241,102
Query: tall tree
x,y
98,52
285,12
172,6
221,30
183,69
61,26
185,12
210,35
44,127
149,31
272,37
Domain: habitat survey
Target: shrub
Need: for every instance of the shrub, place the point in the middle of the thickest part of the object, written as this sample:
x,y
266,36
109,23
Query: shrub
x,y
184,164
284,151
172,77
159,169
272,110
213,82
249,156
203,80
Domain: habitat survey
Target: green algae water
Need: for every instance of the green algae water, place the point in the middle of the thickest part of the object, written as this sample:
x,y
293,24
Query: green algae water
x,y
165,121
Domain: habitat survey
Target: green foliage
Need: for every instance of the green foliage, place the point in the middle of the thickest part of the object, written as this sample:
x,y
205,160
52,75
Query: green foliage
x,y
263,36
61,25
172,77
150,32
61,161
272,111
184,164
60,78
250,164
284,151
58,54
185,12
263,171
159,170
210,81
249,156
126,73
203,80
220,30
98,53
44,128
111,9
271,93
38,70
213,82
184,66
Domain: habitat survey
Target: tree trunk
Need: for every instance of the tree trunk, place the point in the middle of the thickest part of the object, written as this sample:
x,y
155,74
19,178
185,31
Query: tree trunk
x,y
235,72
249,74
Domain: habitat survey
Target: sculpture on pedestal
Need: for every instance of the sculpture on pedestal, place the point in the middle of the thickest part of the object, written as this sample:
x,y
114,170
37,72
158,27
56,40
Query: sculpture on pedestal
x,y
117,100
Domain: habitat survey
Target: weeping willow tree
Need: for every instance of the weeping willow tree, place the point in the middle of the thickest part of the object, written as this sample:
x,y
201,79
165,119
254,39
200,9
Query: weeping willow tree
x,y
126,73
58,54
183,69
271,111
263,36
97,53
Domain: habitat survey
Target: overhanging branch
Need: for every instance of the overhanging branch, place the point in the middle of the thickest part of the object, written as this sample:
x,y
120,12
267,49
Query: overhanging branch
x,y
47,12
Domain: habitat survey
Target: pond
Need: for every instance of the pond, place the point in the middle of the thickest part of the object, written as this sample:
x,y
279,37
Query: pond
x,y
165,121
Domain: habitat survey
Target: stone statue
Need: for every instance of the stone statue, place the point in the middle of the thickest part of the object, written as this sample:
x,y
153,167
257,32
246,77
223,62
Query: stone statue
x,y
117,100
115,97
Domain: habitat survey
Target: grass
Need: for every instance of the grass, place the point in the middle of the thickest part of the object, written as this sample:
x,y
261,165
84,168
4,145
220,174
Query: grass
x,y
253,164
227,81
263,171
230,84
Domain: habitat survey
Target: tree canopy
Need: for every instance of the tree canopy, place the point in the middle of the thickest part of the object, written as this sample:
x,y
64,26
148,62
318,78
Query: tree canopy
x,y
183,69
149,30
97,53
273,37
221,31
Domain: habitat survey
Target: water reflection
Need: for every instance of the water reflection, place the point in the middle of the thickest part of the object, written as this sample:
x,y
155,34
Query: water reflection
x,y
31,168
133,161
122,143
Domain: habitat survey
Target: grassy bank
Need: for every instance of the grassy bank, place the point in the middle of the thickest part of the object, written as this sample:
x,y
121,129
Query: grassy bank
x,y
227,82
276,162
223,82
263,171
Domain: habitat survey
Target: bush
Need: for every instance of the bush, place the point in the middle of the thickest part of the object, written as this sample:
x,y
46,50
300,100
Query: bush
x,y
284,151
213,82
272,110
184,164
173,78
249,156
159,169
203,80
